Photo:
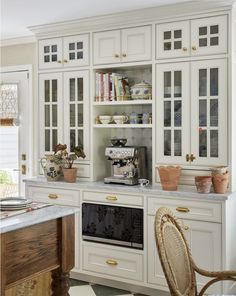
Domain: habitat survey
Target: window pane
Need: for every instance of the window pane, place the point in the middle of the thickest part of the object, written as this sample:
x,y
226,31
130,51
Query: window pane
x,y
178,113
47,115
202,143
177,143
202,112
167,35
214,41
54,139
54,48
72,46
167,113
72,89
167,84
46,59
177,33
214,29
72,140
46,49
54,115
214,112
80,115
46,90
214,143
81,139
72,115
214,82
177,44
167,142
80,89
72,56
80,55
202,82
54,90
80,45
202,42
177,84
47,140
167,45
54,57
203,31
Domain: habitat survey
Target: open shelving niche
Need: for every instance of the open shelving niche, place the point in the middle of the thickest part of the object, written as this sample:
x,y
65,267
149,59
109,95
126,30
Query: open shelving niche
x,y
136,134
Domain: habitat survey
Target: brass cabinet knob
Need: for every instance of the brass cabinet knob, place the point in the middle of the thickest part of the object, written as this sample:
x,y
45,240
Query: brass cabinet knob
x,y
186,227
111,262
53,196
59,61
184,49
194,47
111,198
65,61
124,55
182,209
192,157
187,157
116,55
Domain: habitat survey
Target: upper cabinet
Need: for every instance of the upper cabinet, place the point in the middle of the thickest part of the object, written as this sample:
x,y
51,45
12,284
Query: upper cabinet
x,y
127,45
191,38
62,52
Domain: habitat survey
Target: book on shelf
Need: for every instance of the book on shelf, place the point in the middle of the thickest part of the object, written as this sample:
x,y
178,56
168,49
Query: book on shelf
x,y
111,87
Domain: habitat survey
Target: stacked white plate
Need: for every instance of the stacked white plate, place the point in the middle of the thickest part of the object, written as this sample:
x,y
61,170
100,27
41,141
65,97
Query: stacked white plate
x,y
14,203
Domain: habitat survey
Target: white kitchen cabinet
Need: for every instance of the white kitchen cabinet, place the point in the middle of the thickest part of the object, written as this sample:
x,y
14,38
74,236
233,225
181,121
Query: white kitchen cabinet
x,y
65,51
127,45
201,36
192,113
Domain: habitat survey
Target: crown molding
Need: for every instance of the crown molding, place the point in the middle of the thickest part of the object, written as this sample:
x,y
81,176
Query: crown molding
x,y
130,18
17,41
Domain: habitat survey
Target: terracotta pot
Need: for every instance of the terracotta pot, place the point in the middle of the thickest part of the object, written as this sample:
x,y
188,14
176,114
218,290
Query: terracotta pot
x,y
70,175
221,170
169,176
220,182
203,184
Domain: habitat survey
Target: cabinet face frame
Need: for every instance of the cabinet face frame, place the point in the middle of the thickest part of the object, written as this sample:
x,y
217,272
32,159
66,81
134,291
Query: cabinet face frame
x,y
49,45
210,33
221,65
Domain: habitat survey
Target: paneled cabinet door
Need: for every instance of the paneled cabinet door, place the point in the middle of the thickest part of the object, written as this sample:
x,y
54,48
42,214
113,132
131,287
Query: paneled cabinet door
x,y
106,47
209,112
136,44
209,35
76,110
50,101
172,40
76,50
172,112
50,53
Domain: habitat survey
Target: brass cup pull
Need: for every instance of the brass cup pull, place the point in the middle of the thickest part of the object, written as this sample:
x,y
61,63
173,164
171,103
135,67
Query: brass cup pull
x,y
184,49
116,55
111,198
182,210
59,61
65,61
194,47
186,227
124,55
53,196
111,262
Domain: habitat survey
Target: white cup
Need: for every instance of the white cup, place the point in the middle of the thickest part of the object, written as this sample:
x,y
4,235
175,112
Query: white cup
x,y
120,119
143,182
105,119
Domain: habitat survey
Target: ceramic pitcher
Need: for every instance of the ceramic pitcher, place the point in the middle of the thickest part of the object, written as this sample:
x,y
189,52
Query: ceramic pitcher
x,y
51,167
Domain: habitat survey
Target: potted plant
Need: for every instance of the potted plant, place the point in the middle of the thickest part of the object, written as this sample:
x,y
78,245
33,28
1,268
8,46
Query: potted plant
x,y
69,172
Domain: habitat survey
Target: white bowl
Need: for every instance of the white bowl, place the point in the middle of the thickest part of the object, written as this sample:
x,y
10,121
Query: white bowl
x,y
120,119
105,119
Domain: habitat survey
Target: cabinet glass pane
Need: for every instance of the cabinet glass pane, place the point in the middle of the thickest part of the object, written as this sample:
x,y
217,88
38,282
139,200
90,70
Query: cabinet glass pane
x,y
202,42
54,90
167,35
177,143
202,31
167,142
177,44
80,89
214,41
54,48
80,138
214,29
46,59
177,84
214,81
72,115
80,115
72,89
72,46
167,84
72,55
46,49
54,139
202,82
167,113
80,55
54,57
46,90
167,45
47,140
214,143
54,115
202,112
80,45
214,112
47,115
177,33
178,113
202,143
72,140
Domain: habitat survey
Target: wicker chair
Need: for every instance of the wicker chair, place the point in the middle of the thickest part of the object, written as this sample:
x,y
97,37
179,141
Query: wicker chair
x,y
176,260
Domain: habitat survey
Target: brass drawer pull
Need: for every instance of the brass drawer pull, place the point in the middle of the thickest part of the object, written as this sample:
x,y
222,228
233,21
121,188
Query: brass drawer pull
x,y
111,198
53,196
182,210
111,262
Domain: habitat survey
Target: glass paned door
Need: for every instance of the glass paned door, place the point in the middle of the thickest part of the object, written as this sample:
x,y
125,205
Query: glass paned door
x,y
209,107
172,112
51,115
76,107
50,53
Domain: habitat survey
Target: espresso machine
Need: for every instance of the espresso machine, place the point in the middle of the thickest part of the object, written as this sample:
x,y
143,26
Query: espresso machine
x,y
128,164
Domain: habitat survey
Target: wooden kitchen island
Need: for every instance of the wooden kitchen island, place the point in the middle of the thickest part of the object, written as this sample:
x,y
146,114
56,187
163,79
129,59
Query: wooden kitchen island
x,y
37,242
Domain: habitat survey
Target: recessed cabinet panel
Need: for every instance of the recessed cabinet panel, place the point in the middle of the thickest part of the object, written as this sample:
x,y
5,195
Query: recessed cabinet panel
x,y
209,35
50,53
172,40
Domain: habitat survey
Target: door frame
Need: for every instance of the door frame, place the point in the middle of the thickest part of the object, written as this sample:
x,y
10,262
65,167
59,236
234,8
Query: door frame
x,y
29,68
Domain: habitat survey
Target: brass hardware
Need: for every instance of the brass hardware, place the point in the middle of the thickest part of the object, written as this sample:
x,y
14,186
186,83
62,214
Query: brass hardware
x,y
23,156
65,61
186,227
111,198
111,262
182,210
116,55
192,157
23,169
194,47
184,48
53,196
124,55
59,61
187,157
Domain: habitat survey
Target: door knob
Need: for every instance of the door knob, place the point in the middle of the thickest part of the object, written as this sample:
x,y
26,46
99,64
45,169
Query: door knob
x,y
65,61
59,61
124,55
116,55
194,47
184,49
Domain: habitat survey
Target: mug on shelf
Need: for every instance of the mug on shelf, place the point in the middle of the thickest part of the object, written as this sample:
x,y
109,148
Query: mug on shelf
x,y
120,119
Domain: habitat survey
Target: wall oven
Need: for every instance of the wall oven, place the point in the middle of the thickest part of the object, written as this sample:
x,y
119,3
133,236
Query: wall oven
x,y
112,225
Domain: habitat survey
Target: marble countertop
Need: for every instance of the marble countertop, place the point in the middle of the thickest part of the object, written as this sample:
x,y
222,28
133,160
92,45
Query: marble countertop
x,y
35,217
183,190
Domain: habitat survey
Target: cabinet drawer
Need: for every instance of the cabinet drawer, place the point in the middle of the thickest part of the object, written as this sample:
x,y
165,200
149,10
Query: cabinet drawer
x,y
195,210
124,264
134,200
54,196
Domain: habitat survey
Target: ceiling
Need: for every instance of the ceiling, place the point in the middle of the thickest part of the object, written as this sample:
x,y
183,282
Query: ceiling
x,y
17,15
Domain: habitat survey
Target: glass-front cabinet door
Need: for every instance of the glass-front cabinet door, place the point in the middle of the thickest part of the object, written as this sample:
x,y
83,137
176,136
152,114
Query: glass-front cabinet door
x,y
172,40
50,96
76,111
209,112
209,35
50,53
172,112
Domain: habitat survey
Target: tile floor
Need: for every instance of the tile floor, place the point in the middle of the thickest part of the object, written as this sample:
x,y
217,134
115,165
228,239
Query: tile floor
x,y
86,289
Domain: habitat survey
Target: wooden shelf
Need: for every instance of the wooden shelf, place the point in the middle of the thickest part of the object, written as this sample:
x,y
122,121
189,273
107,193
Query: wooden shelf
x,y
118,103
122,125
